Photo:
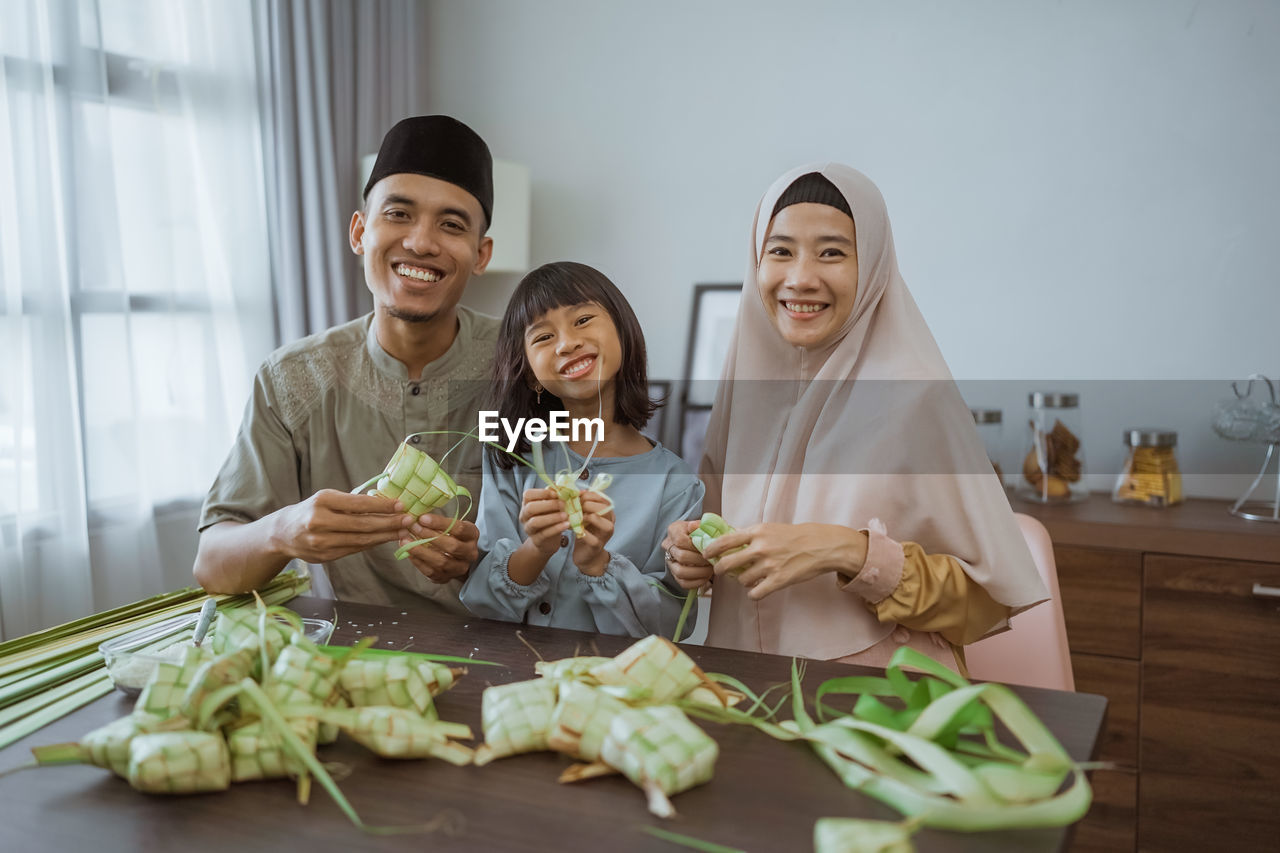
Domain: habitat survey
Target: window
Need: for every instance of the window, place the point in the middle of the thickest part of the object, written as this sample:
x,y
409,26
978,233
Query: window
x,y
134,281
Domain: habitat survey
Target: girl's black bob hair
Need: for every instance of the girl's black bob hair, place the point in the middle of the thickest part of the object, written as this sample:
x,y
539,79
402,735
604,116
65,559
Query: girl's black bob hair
x,y
558,285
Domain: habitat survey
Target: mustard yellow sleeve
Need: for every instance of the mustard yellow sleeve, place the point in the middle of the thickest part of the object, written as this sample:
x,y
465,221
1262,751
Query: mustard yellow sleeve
x,y
902,583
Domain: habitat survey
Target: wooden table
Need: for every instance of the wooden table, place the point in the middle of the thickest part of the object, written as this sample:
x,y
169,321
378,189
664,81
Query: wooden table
x,y
766,794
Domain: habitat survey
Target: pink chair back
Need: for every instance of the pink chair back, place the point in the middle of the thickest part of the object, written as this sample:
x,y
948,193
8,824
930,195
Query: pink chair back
x,y
1034,651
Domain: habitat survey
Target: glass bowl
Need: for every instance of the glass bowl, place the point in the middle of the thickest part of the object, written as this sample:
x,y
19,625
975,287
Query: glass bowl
x,y
131,658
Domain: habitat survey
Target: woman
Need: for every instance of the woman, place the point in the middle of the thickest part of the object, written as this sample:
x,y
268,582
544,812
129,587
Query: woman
x,y
840,448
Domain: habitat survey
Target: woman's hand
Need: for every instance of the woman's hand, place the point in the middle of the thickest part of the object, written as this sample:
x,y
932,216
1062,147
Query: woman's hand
x,y
589,554
445,557
684,562
775,556
543,518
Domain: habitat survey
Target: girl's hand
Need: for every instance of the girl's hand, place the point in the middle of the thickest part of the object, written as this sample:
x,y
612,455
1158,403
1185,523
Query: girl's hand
x,y
445,557
589,554
776,556
684,562
543,517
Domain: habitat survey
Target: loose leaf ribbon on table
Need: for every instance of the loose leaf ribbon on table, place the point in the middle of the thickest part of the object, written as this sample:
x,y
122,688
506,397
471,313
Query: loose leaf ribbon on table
x,y
918,760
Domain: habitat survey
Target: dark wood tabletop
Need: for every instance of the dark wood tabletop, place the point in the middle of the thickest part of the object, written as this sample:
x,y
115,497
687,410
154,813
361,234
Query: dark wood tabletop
x,y
765,795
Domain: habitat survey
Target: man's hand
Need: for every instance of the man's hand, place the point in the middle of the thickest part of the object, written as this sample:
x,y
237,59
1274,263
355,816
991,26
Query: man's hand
x,y
446,557
332,524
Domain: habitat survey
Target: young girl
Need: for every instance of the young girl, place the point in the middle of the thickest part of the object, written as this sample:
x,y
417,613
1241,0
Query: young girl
x,y
570,342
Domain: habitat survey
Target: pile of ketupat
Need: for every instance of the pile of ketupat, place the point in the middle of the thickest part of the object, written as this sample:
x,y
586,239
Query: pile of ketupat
x,y
926,746
255,702
620,715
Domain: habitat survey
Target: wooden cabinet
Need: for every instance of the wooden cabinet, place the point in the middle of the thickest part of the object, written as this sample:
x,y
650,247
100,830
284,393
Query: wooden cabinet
x,y
1163,620
1210,710
1102,603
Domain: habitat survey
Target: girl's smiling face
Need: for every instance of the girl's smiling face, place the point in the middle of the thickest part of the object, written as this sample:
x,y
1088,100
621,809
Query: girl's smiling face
x,y
808,274
572,349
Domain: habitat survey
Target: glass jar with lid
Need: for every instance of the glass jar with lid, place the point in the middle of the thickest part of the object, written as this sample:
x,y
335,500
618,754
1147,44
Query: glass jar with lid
x,y
1150,475
1053,463
990,425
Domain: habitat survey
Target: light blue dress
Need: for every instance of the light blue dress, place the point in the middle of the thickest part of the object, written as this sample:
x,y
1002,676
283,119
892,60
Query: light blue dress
x,y
649,491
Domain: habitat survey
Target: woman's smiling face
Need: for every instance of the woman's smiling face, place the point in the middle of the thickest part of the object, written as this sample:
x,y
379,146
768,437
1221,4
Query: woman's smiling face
x,y
808,273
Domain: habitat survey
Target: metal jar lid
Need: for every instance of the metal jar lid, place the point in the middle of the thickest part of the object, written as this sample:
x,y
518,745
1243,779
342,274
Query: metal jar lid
x,y
987,416
1052,400
1150,437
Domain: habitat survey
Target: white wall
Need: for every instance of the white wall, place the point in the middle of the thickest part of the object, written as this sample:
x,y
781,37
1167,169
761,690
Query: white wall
x,y
1079,190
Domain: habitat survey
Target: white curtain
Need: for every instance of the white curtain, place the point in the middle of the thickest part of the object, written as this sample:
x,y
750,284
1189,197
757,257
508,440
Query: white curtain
x,y
135,291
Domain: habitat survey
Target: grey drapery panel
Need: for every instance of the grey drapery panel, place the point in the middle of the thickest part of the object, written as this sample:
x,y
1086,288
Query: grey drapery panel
x,y
336,75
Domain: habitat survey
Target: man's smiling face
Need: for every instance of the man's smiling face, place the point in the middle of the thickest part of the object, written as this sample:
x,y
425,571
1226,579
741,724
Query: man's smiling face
x,y
422,239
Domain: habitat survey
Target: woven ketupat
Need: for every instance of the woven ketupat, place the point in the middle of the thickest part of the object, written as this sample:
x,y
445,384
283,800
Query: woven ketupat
x,y
238,628
302,677
108,746
222,671
166,689
401,733
566,486
655,664
581,720
710,528
396,682
438,676
841,835
329,731
257,750
417,481
516,717
179,763
570,669
661,751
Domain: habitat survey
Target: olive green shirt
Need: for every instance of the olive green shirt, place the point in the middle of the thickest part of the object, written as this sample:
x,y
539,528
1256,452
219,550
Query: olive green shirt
x,y
328,411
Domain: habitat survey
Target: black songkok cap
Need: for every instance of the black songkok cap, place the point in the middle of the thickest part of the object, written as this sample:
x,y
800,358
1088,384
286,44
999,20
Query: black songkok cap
x,y
813,188
438,147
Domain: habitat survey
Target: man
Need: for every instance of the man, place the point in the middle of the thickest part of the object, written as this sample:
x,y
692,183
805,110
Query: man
x,y
328,411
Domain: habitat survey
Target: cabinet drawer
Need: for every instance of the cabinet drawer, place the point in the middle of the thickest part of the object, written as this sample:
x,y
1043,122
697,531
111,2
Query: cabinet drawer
x,y
1210,733
1203,615
1118,680
1101,600
1111,826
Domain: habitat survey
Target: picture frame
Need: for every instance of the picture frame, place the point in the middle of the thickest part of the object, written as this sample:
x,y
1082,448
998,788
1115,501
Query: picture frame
x,y
693,433
715,307
711,319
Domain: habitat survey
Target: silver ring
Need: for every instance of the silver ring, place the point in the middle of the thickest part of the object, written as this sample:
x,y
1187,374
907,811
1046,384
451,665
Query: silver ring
x,y
671,555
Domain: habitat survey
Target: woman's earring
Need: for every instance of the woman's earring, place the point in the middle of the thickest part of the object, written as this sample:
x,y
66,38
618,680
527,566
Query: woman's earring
x,y
538,389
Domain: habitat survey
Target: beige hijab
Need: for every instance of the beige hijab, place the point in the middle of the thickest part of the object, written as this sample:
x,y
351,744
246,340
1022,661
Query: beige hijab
x,y
870,426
